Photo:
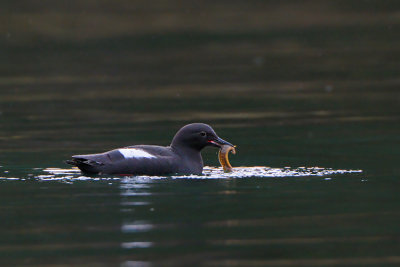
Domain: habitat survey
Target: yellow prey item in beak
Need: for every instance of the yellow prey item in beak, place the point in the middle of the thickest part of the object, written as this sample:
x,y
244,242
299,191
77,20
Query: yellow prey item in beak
x,y
223,157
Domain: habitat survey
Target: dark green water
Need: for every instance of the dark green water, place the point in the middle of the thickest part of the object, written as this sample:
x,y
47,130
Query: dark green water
x,y
307,85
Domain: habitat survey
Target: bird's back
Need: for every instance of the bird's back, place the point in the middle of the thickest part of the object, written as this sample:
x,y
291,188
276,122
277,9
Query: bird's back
x,y
140,159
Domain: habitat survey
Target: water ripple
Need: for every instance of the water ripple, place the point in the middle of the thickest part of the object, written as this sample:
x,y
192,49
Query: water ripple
x,y
73,174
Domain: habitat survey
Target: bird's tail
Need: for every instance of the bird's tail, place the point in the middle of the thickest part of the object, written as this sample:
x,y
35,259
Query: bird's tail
x,y
85,165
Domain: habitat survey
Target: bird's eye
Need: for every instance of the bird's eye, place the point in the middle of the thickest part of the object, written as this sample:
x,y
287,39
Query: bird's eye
x,y
203,133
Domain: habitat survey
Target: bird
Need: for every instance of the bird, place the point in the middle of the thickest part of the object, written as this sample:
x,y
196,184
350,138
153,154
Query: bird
x,y
181,157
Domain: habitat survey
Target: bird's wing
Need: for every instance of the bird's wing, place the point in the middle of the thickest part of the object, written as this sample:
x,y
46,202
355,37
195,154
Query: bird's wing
x,y
129,160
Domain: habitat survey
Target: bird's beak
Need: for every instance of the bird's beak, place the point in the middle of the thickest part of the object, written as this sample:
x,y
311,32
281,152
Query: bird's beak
x,y
218,142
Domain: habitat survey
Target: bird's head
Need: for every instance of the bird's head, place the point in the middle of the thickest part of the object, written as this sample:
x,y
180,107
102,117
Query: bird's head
x,y
197,136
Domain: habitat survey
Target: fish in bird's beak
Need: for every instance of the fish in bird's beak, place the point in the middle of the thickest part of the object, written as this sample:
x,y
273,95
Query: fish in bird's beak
x,y
219,142
223,157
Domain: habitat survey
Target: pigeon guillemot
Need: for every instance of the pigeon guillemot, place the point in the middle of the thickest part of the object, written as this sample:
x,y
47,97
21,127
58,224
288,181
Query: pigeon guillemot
x,y
181,157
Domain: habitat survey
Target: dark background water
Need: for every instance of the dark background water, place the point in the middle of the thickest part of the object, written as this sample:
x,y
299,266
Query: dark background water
x,y
292,83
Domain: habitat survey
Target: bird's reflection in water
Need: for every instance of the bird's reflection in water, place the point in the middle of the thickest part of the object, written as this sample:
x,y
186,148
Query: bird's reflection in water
x,y
135,195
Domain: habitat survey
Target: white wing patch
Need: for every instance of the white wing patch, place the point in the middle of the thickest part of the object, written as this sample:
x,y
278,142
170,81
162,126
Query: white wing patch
x,y
135,153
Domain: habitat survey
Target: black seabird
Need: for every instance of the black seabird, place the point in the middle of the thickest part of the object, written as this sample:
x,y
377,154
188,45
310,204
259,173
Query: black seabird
x,y
181,157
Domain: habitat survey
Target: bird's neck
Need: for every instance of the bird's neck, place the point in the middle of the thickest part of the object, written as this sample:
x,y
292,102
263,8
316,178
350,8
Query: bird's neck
x,y
185,150
190,158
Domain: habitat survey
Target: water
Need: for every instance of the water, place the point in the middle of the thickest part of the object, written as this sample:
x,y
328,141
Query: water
x,y
309,93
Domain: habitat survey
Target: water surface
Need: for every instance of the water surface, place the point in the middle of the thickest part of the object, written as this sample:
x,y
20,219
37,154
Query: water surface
x,y
308,91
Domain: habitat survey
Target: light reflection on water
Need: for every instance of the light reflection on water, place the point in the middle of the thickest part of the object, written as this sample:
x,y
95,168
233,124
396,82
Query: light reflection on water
x,y
74,174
